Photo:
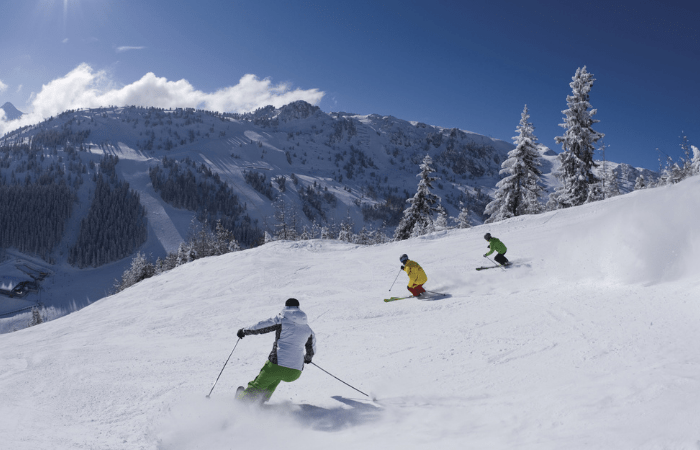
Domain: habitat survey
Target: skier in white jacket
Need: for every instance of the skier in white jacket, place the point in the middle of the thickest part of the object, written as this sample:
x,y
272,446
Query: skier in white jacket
x,y
295,345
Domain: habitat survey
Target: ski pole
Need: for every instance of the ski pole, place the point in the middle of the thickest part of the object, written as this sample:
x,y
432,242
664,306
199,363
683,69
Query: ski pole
x,y
497,265
340,380
392,284
222,369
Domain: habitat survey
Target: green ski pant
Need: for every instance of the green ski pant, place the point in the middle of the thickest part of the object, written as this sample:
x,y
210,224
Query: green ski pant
x,y
262,387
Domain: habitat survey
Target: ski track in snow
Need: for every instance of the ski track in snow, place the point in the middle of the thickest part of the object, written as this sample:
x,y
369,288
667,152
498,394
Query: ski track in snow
x,y
588,342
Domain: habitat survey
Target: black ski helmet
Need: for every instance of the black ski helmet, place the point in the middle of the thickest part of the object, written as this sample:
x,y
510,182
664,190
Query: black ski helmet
x,y
487,236
403,259
292,302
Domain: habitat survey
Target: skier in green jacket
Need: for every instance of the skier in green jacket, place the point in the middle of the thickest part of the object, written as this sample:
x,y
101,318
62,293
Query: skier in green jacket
x,y
497,246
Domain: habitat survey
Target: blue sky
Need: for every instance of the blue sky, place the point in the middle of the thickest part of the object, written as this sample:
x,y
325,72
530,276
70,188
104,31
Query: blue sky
x,y
471,65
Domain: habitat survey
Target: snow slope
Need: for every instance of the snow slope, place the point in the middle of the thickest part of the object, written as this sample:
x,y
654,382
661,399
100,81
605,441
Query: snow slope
x,y
590,341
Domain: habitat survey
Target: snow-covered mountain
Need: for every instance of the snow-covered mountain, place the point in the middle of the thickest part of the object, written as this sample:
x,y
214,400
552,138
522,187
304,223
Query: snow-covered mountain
x,y
11,113
319,168
588,342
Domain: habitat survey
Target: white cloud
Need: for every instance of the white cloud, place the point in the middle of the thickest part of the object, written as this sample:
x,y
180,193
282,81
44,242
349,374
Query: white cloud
x,y
3,86
84,87
65,41
19,88
127,48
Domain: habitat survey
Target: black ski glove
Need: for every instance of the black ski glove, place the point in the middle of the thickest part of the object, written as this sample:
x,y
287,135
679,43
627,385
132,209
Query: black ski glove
x,y
485,255
403,267
240,334
307,359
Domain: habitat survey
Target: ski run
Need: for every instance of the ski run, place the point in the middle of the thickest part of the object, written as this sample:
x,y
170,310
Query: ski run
x,y
590,343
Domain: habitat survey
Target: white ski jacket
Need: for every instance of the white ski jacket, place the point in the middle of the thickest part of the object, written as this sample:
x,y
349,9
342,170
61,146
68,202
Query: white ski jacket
x,y
293,337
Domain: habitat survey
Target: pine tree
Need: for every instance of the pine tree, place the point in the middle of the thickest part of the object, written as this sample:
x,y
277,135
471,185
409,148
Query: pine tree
x,y
441,221
346,229
640,183
166,264
423,204
611,187
224,240
696,160
281,227
36,317
462,219
687,166
185,253
576,171
140,269
519,192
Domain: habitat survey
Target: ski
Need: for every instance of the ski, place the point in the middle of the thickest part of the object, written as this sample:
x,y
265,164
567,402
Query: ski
x,y
494,267
430,296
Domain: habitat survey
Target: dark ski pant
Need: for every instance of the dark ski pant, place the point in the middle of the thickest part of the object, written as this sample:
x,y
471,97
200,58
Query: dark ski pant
x,y
500,258
416,290
262,387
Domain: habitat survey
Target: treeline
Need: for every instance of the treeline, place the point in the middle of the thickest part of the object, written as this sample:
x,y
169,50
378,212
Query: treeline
x,y
260,183
202,243
390,211
114,227
184,184
33,218
313,198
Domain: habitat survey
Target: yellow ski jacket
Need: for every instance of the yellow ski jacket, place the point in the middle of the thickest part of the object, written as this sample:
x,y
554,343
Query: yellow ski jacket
x,y
415,272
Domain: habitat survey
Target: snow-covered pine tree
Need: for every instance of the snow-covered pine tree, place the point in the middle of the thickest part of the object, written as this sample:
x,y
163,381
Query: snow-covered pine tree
x,y
696,160
166,264
140,269
305,234
423,204
462,219
36,317
224,240
612,186
595,192
687,166
576,171
380,236
672,173
185,253
364,237
346,229
281,227
519,192
441,221
268,238
640,183
608,180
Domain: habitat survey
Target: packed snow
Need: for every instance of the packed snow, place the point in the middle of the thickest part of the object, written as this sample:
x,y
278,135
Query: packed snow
x,y
589,341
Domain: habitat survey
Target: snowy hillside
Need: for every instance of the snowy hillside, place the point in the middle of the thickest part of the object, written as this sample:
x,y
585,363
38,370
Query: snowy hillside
x,y
589,341
320,169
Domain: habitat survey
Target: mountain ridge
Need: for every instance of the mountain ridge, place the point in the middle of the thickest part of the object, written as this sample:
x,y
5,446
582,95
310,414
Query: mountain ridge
x,y
321,169
11,113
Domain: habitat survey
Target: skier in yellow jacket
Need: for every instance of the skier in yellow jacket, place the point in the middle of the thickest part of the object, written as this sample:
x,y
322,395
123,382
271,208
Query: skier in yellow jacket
x,y
416,275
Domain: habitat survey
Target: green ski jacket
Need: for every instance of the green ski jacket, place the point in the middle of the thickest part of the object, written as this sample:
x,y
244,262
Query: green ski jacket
x,y
496,246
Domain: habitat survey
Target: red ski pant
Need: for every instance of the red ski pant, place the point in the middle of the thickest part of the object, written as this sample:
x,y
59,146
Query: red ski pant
x,y
416,290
